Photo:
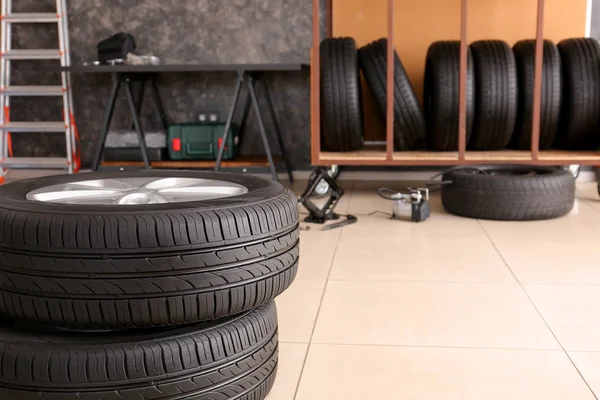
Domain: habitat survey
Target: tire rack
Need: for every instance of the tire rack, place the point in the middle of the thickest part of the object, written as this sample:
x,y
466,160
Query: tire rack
x,y
389,157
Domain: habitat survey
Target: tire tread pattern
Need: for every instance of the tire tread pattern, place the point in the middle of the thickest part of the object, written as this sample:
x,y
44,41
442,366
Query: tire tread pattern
x,y
232,359
174,230
524,51
580,128
409,120
511,198
497,89
442,85
146,292
341,102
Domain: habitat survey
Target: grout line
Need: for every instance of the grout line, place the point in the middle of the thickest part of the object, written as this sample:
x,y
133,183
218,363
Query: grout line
x,y
431,347
587,202
394,280
538,311
463,282
293,342
585,351
312,333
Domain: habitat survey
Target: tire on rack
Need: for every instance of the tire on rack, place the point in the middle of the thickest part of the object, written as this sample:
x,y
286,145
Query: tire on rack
x,y
341,102
511,193
524,51
580,126
496,87
233,358
409,122
442,86
114,266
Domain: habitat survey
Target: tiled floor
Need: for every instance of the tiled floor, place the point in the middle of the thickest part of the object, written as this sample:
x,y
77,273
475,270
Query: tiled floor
x,y
451,308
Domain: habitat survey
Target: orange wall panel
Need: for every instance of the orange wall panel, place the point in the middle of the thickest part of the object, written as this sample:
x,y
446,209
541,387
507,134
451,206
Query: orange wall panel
x,y
418,23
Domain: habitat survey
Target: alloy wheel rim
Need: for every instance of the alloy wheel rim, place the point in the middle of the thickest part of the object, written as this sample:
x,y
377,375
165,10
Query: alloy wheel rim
x,y
136,191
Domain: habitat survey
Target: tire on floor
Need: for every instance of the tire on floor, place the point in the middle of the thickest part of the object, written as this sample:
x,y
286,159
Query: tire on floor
x,y
441,95
97,266
524,51
341,102
496,88
409,122
512,193
233,358
580,126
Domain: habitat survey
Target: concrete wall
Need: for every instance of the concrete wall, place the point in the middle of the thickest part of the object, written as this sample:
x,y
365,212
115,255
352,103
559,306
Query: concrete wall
x,y
180,31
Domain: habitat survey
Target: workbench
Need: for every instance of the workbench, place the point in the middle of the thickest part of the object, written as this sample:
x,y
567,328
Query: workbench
x,y
249,75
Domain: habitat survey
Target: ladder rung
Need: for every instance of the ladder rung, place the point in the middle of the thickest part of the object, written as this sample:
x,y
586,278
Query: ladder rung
x,y
46,54
34,127
31,18
33,162
32,91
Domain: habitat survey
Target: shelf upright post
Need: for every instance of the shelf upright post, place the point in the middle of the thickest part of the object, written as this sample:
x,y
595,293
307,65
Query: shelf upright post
x,y
390,82
315,92
462,101
537,85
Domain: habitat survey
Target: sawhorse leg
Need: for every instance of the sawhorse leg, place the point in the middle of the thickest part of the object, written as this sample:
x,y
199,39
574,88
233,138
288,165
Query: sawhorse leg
x,y
137,124
139,89
236,98
134,100
252,102
275,122
107,120
164,119
261,127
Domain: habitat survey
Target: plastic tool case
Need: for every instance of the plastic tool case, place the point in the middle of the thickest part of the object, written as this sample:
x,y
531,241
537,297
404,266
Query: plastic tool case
x,y
195,141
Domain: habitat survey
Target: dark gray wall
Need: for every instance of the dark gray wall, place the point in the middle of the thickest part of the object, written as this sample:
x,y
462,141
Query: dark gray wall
x,y
204,31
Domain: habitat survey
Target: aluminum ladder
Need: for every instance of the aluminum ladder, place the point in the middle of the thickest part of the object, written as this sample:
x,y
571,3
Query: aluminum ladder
x,y
67,125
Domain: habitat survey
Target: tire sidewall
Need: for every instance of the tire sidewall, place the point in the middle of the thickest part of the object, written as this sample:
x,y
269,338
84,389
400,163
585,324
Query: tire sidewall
x,y
14,194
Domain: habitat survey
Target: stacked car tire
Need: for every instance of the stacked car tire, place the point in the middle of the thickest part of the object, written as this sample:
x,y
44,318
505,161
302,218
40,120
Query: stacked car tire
x,y
500,92
169,300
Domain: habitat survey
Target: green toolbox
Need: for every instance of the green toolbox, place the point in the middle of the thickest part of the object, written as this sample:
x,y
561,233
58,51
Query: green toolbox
x,y
195,141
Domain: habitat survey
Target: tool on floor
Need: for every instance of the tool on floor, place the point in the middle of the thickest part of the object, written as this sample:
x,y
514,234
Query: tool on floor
x,y
412,206
323,188
7,56
325,213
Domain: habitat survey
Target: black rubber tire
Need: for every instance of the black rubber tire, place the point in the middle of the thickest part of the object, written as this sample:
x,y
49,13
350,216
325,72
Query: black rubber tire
x,y
409,121
497,95
477,193
580,127
113,267
441,95
341,102
524,51
234,358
